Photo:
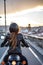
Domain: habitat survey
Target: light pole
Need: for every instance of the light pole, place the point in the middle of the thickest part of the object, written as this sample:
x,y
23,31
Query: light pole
x,y
5,14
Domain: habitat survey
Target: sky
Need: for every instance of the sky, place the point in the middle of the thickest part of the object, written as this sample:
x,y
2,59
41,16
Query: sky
x,y
18,5
27,11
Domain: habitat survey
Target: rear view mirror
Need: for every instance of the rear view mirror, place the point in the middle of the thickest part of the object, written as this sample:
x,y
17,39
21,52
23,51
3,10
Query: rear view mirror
x,y
2,37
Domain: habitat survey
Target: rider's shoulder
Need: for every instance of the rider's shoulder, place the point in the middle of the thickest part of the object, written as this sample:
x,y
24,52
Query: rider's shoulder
x,y
20,34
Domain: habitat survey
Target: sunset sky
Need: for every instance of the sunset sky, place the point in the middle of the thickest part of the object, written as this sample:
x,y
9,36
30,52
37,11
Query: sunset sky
x,y
23,11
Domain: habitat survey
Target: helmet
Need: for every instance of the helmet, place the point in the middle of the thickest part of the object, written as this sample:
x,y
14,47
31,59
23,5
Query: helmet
x,y
14,28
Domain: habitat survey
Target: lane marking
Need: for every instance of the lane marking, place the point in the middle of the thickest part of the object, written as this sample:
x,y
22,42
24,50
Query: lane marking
x,y
35,55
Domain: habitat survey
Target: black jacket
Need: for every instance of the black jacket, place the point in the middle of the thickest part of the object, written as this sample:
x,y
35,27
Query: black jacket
x,y
19,40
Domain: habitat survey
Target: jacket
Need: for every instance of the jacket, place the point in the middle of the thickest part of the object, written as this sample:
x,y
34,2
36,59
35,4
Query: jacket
x,y
19,40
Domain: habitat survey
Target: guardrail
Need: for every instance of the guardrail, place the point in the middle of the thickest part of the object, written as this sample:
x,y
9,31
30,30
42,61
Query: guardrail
x,y
38,40
36,44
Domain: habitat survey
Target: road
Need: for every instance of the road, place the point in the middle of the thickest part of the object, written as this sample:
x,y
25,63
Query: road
x,y
27,53
32,60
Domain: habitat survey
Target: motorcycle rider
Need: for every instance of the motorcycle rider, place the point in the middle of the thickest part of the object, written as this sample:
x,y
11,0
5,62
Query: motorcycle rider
x,y
13,40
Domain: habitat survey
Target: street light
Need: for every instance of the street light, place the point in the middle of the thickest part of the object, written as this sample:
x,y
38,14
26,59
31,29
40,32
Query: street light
x,y
5,14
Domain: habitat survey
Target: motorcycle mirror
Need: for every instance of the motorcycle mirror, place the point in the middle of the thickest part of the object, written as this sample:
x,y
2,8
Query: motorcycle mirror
x,y
2,37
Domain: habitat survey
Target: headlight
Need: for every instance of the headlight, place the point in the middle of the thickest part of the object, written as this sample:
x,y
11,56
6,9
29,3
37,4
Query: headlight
x,y
24,62
13,62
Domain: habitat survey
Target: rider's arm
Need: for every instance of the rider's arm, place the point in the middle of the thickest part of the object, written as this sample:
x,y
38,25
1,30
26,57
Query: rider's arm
x,y
5,40
23,41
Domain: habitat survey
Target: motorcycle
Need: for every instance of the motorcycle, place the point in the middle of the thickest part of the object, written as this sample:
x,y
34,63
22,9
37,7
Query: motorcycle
x,y
15,59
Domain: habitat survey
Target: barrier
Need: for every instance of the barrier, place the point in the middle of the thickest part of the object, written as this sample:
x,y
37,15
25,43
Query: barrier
x,y
38,40
36,44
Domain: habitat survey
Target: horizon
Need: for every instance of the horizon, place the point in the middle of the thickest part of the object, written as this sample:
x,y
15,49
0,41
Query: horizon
x,y
25,26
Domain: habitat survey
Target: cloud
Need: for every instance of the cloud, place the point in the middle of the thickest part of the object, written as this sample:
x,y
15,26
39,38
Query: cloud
x,y
34,16
18,5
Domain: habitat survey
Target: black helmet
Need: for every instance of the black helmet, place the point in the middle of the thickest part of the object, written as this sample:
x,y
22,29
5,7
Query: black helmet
x,y
14,28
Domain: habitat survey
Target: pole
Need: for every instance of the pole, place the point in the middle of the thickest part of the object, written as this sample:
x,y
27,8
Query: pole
x,y
5,14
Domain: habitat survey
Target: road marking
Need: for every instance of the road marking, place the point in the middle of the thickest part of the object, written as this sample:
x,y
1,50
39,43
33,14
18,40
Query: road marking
x,y
35,55
4,55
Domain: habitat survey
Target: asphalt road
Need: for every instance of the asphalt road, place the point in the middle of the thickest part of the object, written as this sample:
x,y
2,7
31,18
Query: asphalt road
x,y
32,60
